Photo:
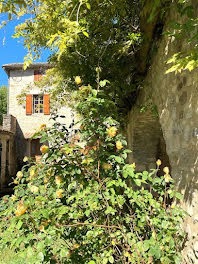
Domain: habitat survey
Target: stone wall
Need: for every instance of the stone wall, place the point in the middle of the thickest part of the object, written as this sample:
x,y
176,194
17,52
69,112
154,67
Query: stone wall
x,y
9,123
174,133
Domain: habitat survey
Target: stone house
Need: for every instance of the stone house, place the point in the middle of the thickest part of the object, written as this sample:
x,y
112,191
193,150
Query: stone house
x,y
28,116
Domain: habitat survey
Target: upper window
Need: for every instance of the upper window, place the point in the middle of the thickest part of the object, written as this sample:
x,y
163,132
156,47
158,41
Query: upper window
x,y
37,103
38,74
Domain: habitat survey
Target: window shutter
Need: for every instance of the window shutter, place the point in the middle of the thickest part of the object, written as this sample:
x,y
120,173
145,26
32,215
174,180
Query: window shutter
x,y
46,102
28,104
37,75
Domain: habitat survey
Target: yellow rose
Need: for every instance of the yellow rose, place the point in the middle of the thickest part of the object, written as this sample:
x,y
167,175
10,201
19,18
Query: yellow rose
x,y
107,166
76,246
44,149
13,197
132,165
19,174
119,145
167,178
21,209
111,131
45,180
32,172
34,189
25,159
158,162
59,193
166,170
16,182
58,180
41,228
43,126
78,80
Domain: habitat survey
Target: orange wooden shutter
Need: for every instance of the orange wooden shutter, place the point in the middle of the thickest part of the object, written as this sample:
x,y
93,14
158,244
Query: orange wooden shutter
x,y
37,75
28,104
46,101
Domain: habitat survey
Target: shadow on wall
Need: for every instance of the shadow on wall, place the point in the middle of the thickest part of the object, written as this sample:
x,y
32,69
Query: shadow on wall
x,y
20,146
145,139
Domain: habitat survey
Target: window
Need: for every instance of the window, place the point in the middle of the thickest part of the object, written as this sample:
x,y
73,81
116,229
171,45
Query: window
x,y
35,147
37,103
38,74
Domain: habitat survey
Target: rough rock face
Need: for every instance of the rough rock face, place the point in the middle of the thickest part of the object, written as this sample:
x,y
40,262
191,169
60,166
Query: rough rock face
x,y
173,135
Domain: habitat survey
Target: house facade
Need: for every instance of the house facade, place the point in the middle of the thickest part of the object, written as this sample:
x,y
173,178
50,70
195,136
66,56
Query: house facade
x,y
32,113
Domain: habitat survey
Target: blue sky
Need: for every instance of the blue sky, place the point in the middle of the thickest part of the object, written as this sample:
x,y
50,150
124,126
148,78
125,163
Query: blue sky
x,y
12,50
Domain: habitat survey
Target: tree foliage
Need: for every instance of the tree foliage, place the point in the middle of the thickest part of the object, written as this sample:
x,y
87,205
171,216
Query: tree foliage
x,y
3,102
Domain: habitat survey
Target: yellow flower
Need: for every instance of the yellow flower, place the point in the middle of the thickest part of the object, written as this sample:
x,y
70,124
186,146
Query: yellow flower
x,y
41,228
58,180
107,166
126,254
111,131
19,174
158,162
25,159
76,246
45,180
78,80
119,145
113,242
21,209
87,161
34,189
166,170
167,178
16,182
13,197
173,205
59,193
44,149
132,165
42,127
32,172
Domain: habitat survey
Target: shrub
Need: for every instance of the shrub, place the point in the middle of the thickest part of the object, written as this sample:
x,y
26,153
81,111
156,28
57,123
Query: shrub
x,y
82,202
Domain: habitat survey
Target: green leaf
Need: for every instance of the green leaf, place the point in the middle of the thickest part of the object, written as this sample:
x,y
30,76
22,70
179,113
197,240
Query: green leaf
x,y
111,259
179,196
86,34
89,7
19,224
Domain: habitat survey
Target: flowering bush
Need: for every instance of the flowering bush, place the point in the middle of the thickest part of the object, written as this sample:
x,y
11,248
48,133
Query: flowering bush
x,y
82,203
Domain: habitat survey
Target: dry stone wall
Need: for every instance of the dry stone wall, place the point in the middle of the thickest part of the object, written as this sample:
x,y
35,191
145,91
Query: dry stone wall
x,y
173,136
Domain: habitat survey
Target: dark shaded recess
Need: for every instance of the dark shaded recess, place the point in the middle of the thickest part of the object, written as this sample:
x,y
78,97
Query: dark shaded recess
x,y
152,32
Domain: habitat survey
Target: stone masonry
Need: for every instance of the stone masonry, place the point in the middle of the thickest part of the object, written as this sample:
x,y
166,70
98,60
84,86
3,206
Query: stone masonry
x,y
173,136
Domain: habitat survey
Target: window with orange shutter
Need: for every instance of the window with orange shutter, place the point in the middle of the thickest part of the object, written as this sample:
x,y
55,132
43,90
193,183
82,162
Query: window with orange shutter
x,y
28,104
37,104
38,74
46,99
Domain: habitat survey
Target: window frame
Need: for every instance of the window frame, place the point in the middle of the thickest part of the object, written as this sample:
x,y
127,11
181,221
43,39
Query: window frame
x,y
40,104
